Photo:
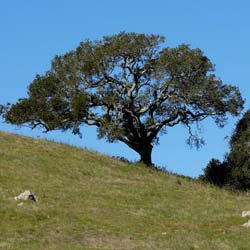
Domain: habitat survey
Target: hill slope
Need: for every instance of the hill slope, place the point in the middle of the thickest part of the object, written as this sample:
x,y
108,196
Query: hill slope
x,y
89,201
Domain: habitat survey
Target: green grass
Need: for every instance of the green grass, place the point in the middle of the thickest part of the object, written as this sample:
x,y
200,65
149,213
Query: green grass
x,y
90,201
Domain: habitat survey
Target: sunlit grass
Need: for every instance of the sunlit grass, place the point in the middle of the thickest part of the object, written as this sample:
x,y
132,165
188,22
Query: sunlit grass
x,y
90,201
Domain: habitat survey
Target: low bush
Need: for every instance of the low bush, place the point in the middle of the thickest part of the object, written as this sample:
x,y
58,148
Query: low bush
x,y
216,173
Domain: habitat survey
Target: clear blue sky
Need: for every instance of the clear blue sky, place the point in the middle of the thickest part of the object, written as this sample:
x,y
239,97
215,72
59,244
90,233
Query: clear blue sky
x,y
33,32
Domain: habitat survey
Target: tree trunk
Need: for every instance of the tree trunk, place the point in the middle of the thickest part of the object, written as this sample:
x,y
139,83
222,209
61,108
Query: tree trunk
x,y
145,153
143,148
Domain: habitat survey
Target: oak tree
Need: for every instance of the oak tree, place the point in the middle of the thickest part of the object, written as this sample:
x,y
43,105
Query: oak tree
x,y
131,88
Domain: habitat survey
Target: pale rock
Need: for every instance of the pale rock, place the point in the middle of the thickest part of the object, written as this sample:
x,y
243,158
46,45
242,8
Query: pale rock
x,y
26,195
245,214
247,225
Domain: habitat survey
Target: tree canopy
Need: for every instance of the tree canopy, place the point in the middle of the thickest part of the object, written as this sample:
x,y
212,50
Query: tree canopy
x,y
234,171
238,159
131,88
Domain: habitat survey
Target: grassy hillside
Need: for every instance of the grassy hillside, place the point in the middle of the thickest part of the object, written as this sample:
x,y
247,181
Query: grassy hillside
x,y
89,201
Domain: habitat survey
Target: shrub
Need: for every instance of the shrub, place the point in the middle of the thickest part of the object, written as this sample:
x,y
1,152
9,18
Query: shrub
x,y
235,170
216,173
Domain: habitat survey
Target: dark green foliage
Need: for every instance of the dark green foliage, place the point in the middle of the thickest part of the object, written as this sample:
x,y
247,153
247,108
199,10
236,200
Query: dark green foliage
x,y
239,156
130,88
216,173
235,170
240,176
51,104
242,130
